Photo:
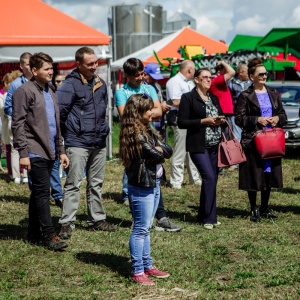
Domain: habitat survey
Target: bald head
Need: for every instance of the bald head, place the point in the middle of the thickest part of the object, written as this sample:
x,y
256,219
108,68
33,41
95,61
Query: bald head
x,y
187,69
242,72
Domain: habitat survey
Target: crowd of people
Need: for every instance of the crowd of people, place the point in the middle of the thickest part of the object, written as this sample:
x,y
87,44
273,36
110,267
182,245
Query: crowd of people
x,y
48,122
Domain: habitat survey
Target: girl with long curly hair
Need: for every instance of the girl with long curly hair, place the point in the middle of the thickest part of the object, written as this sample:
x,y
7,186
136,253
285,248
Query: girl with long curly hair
x,y
142,153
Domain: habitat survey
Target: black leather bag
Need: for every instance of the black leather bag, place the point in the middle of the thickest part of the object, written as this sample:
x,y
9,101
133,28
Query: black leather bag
x,y
171,118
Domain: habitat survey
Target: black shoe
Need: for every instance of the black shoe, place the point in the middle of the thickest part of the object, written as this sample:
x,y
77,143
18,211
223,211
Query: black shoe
x,y
58,202
65,231
54,243
268,213
255,214
35,239
103,226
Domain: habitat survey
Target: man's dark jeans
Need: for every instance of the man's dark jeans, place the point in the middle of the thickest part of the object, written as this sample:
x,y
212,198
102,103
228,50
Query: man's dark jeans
x,y
39,204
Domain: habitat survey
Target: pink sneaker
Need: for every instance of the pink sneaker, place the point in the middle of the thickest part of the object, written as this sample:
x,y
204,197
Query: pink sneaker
x,y
156,273
142,279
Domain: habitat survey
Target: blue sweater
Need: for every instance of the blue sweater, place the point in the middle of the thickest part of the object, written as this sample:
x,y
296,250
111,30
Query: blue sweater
x,y
13,86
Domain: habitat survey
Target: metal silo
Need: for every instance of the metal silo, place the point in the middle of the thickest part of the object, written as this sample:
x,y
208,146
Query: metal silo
x,y
134,27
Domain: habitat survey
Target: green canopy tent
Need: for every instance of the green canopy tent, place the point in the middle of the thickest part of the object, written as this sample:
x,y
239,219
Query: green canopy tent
x,y
286,40
244,42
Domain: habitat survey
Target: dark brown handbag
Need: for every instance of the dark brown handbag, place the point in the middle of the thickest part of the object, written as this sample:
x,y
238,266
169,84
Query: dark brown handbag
x,y
230,152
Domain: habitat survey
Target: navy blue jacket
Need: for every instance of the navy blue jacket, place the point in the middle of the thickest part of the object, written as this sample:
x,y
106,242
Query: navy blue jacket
x,y
83,111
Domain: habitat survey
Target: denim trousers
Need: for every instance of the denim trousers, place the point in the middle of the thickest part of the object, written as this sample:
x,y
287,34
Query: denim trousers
x,y
94,161
56,188
144,202
39,203
207,165
160,212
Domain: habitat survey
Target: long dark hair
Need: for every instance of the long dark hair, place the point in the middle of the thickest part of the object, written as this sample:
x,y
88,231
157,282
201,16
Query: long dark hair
x,y
132,126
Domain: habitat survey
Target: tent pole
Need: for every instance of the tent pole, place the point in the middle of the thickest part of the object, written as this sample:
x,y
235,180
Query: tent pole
x,y
110,108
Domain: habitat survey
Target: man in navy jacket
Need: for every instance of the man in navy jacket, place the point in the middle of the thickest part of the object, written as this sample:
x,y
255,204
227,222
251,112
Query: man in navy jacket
x,y
83,100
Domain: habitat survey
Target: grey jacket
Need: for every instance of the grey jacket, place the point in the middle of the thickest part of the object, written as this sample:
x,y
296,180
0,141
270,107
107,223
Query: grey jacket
x,y
29,122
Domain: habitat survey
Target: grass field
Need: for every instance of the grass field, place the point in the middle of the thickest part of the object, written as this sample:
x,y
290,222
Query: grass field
x,y
238,260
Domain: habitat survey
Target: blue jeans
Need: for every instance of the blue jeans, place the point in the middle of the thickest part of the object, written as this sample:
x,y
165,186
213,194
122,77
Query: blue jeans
x,y
56,188
144,202
206,163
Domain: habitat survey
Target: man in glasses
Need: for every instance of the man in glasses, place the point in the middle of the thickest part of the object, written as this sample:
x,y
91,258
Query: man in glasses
x,y
134,72
83,101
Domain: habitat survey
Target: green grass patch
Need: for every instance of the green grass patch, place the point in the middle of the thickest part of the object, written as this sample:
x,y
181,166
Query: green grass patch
x,y
238,260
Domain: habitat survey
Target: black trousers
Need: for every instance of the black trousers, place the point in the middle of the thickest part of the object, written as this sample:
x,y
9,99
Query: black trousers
x,y
40,221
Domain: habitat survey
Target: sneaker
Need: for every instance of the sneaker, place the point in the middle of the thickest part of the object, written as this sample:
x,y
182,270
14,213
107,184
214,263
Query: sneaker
x,y
53,242
176,186
165,224
156,273
126,202
17,180
65,231
142,279
198,182
103,226
208,226
24,179
217,224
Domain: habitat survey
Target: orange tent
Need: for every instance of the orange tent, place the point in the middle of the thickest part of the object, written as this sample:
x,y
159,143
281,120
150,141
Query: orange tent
x,y
32,25
168,47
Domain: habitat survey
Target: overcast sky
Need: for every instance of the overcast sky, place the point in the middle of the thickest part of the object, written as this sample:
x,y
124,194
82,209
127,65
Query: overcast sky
x,y
218,19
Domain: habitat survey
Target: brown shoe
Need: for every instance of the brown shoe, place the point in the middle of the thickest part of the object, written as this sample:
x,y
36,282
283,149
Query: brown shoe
x,y
54,243
65,231
103,226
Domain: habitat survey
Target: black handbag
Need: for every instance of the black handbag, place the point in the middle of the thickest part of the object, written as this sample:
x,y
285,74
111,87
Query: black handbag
x,y
171,117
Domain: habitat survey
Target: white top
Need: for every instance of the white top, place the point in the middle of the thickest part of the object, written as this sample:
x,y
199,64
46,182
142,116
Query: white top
x,y
178,85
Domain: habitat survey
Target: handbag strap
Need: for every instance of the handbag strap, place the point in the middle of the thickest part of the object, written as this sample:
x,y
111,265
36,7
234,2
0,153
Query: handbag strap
x,y
230,132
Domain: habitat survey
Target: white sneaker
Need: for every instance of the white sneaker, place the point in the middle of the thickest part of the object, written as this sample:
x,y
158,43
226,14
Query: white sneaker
x,y
24,180
17,180
176,186
198,182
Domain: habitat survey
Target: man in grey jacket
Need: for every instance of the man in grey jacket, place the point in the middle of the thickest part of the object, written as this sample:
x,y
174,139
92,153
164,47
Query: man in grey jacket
x,y
37,137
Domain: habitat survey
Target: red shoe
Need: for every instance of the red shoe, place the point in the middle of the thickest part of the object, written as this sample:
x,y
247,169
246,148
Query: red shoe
x,y
142,279
156,273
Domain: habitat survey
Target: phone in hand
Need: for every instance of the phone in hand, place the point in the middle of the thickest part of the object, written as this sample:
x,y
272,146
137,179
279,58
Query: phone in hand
x,y
218,118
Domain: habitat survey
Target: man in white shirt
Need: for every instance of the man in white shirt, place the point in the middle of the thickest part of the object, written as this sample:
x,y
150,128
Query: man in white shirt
x,y
176,86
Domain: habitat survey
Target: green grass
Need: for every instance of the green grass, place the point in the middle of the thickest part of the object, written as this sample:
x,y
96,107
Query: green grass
x,y
238,260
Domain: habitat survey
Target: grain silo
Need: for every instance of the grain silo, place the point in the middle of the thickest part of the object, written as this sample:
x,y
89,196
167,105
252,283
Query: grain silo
x,y
134,27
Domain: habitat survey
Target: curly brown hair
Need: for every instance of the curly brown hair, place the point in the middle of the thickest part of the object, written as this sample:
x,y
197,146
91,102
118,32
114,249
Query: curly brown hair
x,y
132,126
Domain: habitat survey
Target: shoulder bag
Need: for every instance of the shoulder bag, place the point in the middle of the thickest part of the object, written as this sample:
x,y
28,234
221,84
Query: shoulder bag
x,y
230,152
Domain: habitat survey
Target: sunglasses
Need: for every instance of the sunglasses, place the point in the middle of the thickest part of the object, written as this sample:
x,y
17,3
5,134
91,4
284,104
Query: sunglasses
x,y
263,74
206,77
58,81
